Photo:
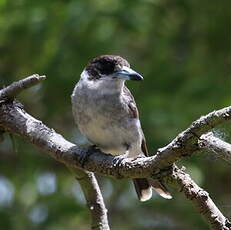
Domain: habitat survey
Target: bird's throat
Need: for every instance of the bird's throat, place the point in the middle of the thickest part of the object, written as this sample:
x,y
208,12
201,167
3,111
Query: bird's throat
x,y
110,87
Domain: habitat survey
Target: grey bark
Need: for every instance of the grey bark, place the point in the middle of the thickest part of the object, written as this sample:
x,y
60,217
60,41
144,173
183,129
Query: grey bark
x,y
87,180
94,199
221,148
200,198
14,119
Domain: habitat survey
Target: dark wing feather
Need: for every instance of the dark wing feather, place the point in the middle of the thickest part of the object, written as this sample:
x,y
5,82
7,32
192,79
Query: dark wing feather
x,y
130,102
142,185
133,111
144,147
158,186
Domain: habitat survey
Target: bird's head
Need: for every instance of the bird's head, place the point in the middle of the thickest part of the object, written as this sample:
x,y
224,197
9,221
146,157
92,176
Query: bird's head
x,y
111,68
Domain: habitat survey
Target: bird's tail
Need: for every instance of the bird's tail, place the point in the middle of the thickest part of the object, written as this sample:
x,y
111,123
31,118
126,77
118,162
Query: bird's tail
x,y
144,187
160,188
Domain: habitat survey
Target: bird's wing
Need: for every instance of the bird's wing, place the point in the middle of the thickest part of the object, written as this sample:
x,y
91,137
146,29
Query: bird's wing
x,y
144,147
133,111
130,103
156,184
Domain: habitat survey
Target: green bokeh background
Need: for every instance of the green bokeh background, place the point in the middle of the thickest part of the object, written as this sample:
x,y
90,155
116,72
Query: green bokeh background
x,y
182,48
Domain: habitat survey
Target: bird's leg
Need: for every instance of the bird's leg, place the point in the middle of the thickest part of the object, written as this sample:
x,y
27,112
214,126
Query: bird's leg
x,y
84,157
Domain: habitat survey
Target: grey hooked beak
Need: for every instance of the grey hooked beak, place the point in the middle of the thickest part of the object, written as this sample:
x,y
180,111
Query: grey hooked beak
x,y
127,73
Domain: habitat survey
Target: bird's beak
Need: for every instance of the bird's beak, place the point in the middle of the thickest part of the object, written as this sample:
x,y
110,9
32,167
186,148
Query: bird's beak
x,y
127,73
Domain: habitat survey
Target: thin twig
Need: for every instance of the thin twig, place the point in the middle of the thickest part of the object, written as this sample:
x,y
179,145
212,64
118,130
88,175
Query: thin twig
x,y
15,88
221,148
186,143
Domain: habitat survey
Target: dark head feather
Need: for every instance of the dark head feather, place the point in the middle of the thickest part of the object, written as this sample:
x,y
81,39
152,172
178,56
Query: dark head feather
x,y
105,65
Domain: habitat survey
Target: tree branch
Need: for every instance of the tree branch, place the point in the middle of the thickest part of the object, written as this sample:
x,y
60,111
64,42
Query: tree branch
x,y
87,180
94,198
15,88
200,198
15,120
221,148
186,143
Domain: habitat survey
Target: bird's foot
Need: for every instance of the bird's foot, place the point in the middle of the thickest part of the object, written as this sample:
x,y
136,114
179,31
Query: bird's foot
x,y
118,160
84,158
137,157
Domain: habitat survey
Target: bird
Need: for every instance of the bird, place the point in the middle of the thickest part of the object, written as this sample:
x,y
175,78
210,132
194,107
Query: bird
x,y
106,114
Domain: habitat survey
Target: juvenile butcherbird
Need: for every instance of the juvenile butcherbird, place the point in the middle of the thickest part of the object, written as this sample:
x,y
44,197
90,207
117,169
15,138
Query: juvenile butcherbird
x,y
106,114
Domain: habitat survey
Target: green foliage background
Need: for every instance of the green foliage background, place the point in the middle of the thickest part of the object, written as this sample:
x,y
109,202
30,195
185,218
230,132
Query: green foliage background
x,y
182,48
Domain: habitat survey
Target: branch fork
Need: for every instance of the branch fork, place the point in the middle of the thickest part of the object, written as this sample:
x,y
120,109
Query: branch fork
x,y
197,137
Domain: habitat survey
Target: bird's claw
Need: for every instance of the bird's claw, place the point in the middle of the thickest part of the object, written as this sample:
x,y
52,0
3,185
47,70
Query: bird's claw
x,y
118,160
137,157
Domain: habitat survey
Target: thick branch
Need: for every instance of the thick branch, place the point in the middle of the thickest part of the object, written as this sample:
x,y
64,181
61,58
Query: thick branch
x,y
87,180
221,148
15,120
200,199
